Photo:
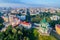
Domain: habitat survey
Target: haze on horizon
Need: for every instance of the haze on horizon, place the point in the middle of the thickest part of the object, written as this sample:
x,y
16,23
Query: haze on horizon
x,y
29,3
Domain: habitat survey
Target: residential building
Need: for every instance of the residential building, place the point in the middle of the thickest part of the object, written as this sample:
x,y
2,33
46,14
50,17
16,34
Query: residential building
x,y
26,25
5,18
55,17
51,10
57,27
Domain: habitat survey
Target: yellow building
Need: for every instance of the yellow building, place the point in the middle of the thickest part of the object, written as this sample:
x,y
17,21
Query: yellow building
x,y
57,27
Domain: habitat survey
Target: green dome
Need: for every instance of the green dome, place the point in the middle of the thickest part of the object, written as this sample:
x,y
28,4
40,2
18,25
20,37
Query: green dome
x,y
43,21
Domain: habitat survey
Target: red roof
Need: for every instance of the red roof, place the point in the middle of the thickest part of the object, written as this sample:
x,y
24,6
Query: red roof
x,y
26,23
58,25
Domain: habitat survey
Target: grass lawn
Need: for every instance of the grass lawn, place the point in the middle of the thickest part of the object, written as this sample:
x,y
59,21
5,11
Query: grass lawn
x,y
47,37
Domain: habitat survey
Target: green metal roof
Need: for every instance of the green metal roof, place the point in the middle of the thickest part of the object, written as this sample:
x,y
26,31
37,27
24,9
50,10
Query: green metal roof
x,y
43,21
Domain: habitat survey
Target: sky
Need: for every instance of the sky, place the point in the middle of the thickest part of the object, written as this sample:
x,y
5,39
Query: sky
x,y
30,3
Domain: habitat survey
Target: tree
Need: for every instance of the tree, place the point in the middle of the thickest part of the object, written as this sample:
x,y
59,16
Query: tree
x,y
58,21
1,20
28,17
36,19
34,35
1,26
1,23
22,34
48,19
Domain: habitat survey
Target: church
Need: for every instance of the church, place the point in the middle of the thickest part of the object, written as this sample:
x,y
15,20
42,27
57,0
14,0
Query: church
x,y
44,27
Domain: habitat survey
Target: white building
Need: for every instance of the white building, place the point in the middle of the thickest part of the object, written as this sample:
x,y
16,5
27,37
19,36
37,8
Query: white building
x,y
55,17
26,25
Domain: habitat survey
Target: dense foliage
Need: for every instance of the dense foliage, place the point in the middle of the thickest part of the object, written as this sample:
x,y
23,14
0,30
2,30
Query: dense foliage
x,y
21,33
1,23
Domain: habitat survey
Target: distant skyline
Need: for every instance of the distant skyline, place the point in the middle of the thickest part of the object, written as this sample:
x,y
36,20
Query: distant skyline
x,y
29,3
